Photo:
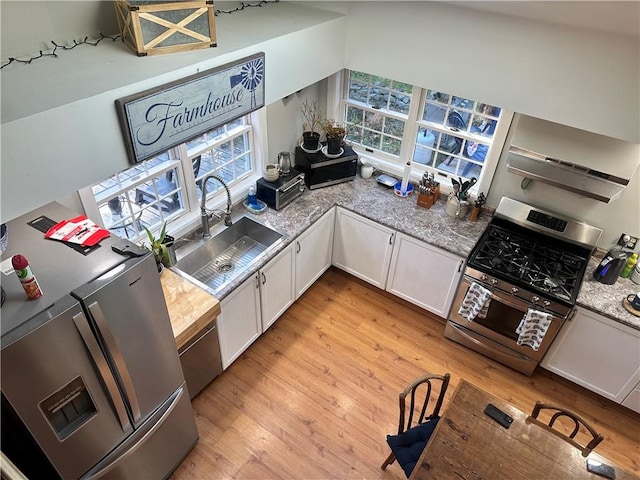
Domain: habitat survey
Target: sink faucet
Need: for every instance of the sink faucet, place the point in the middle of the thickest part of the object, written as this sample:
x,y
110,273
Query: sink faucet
x,y
204,215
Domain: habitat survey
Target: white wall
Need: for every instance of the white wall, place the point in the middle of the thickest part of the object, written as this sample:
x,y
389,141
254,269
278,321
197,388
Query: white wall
x,y
586,79
285,120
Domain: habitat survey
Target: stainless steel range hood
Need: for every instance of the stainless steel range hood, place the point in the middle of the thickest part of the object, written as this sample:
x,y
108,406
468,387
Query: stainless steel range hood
x,y
574,178
581,162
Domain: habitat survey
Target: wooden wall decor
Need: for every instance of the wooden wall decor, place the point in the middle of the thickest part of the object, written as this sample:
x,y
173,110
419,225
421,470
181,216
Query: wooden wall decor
x,y
162,117
150,28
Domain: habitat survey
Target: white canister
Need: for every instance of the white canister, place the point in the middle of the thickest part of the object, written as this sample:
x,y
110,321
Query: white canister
x,y
635,274
366,169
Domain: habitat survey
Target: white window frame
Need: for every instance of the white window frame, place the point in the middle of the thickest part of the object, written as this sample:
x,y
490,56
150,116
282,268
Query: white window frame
x,y
338,85
182,221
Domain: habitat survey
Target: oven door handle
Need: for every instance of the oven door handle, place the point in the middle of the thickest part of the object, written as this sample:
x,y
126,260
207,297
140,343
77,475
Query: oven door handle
x,y
517,304
293,185
520,305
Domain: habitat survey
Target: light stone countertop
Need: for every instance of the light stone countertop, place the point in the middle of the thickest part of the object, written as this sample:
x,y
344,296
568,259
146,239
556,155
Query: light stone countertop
x,y
607,299
433,226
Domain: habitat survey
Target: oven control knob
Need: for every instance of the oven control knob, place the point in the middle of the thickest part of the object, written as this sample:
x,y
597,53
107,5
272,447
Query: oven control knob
x,y
514,290
483,277
494,281
546,303
535,299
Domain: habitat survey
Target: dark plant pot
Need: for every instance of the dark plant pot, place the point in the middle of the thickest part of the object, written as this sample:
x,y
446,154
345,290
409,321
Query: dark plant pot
x,y
310,140
333,145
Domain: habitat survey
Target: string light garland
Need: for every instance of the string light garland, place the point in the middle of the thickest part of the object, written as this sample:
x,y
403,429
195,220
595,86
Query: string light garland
x,y
246,5
95,42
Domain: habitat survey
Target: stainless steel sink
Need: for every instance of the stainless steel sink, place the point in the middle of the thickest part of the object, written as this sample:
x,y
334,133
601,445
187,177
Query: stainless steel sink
x,y
223,257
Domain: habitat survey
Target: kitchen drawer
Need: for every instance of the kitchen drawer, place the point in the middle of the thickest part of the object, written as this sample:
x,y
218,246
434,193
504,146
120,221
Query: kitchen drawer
x,y
200,359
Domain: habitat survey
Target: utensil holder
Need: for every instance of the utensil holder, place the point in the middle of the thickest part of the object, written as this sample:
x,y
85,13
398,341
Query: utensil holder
x,y
475,212
427,200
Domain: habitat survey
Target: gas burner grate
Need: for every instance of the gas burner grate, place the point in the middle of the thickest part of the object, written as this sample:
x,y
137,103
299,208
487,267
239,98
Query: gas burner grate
x,y
529,262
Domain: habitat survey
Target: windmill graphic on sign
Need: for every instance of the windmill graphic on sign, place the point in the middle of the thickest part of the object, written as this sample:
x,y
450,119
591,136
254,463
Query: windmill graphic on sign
x,y
250,76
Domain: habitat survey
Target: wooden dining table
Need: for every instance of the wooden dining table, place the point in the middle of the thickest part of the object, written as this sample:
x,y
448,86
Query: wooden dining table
x,y
468,444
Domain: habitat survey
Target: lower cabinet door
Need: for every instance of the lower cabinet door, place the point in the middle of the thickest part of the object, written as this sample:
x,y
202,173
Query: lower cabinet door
x,y
362,247
598,353
633,399
239,322
424,275
277,289
313,252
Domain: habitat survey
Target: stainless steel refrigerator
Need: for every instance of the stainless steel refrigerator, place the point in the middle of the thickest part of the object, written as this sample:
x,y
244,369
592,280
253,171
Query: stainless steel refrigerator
x,y
91,381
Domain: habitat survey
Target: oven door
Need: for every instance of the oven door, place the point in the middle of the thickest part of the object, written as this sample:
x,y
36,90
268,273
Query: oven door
x,y
503,317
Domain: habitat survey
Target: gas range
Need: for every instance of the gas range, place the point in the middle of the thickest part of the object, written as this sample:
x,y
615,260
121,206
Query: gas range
x,y
528,267
530,260
536,250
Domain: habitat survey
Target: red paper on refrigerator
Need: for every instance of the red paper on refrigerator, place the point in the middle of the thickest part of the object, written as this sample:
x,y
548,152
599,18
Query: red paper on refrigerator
x,y
78,230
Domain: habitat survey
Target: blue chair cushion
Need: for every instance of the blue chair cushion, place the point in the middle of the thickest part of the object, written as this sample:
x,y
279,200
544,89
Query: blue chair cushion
x,y
408,446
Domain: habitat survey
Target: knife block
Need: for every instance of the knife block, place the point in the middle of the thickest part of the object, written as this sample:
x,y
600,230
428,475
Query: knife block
x,y
428,200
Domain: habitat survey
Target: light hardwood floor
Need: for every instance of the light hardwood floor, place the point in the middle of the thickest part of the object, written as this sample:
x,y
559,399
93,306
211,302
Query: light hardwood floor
x,y
315,396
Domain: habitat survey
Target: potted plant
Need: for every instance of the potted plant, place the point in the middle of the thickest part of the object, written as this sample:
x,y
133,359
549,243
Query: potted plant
x,y
160,246
335,136
312,124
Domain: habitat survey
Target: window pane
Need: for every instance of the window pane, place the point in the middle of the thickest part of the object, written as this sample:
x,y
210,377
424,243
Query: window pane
x,y
391,145
393,126
371,139
358,91
379,97
373,120
434,113
400,102
458,120
354,115
438,97
462,103
423,152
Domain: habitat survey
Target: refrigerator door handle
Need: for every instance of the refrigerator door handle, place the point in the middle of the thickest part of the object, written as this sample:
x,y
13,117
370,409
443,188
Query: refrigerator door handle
x,y
101,363
109,463
118,358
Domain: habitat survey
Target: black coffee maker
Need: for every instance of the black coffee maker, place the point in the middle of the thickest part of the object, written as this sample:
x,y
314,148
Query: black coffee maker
x,y
609,269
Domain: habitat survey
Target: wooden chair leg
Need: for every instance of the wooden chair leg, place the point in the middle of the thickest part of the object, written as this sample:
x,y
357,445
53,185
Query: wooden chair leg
x,y
390,459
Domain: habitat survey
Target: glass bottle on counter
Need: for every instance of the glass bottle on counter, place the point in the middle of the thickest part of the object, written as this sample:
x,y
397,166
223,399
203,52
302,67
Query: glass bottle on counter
x,y
628,268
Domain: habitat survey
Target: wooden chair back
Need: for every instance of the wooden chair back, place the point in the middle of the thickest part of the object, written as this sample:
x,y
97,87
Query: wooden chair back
x,y
425,398
419,403
577,422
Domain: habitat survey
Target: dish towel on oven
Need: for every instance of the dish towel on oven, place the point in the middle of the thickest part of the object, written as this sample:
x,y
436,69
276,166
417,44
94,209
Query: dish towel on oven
x,y
475,302
533,327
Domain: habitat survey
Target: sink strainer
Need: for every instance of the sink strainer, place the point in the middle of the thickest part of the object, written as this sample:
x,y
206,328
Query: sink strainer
x,y
224,267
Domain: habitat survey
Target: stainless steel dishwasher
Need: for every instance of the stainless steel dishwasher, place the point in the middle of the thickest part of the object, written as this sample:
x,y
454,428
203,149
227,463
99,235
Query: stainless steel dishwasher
x,y
200,359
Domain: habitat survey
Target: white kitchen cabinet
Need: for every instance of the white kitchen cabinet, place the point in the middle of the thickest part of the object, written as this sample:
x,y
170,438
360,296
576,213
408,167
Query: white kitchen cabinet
x,y
362,247
313,252
424,275
277,287
239,322
598,353
633,399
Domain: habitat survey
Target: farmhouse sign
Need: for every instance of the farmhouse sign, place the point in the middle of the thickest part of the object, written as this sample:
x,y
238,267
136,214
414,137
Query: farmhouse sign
x,y
155,120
